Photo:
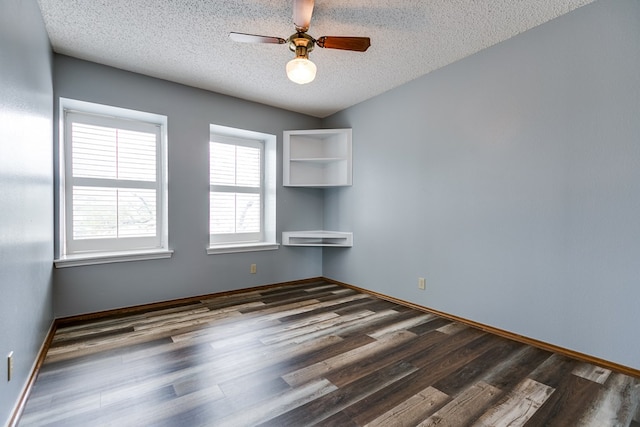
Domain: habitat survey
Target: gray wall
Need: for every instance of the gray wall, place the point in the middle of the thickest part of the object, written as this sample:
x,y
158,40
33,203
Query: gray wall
x,y
511,181
26,192
190,271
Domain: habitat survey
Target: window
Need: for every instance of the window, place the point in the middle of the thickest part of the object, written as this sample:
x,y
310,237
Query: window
x,y
235,208
113,198
241,191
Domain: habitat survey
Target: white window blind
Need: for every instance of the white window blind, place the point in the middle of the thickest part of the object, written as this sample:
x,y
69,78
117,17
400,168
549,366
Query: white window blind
x,y
113,183
236,195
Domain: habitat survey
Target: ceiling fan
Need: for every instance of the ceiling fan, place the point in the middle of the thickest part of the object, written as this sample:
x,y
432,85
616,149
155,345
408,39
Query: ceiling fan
x,y
300,69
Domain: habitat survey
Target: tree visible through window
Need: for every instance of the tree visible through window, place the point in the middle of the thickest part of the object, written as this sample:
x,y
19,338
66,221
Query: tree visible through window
x,y
113,184
236,189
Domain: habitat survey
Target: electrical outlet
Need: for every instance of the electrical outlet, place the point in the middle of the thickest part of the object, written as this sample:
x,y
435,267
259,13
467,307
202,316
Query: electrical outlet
x,y
422,284
254,269
9,366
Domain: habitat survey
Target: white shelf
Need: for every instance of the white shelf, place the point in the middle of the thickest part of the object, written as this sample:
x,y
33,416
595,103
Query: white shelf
x,y
339,239
317,158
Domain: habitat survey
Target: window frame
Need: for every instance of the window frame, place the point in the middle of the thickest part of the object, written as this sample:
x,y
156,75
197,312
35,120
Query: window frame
x,y
234,238
74,252
266,238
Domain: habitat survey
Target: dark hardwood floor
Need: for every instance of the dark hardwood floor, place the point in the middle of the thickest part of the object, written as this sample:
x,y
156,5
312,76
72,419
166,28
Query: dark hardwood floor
x,y
308,354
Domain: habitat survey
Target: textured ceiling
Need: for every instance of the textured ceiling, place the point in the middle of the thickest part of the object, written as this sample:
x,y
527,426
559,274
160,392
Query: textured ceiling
x,y
186,41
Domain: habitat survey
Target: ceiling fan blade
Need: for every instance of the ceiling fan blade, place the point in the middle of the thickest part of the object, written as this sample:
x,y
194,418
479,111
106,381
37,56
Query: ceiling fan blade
x,y
252,38
302,10
358,44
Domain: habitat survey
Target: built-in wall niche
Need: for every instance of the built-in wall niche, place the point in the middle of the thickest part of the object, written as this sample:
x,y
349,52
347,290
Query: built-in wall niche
x,y
318,158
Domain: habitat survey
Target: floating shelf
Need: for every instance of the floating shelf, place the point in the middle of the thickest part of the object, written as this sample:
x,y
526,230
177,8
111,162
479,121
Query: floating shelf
x,y
322,160
338,239
317,158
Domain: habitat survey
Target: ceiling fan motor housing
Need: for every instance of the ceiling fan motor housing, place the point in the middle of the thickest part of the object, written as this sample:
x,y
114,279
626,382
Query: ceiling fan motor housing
x,y
301,44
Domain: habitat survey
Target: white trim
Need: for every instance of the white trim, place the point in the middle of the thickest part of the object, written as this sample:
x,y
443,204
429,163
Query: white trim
x,y
93,258
85,112
266,238
241,247
85,107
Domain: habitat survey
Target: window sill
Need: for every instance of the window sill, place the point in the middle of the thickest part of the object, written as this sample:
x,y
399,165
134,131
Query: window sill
x,y
109,257
241,247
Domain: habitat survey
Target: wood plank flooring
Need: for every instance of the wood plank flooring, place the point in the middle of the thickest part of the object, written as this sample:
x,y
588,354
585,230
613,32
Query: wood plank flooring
x,y
313,354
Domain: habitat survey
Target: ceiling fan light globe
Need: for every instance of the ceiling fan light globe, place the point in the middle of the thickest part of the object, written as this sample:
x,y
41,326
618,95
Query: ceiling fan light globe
x,y
301,71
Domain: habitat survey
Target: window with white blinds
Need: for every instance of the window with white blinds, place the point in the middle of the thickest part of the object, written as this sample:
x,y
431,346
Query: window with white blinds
x,y
236,184
113,192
